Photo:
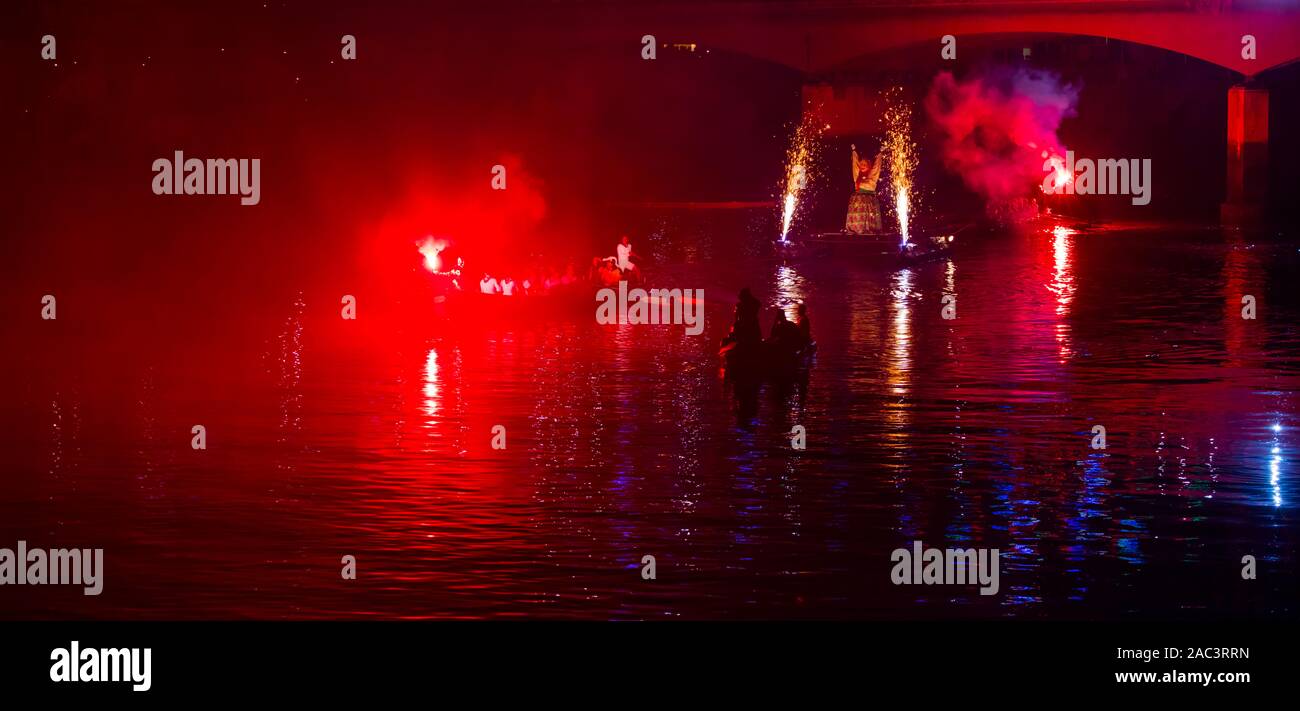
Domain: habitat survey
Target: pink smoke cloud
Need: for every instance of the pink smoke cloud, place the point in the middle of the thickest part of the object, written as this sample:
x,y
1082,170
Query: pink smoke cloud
x,y
994,127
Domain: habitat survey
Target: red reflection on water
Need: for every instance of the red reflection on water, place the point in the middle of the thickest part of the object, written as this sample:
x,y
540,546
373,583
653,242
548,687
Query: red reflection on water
x,y
1062,285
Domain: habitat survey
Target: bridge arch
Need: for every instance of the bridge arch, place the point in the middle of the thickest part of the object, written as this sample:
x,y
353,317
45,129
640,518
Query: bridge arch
x,y
816,43
817,36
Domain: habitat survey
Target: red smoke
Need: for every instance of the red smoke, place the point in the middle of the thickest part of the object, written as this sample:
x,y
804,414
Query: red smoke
x,y
491,229
994,127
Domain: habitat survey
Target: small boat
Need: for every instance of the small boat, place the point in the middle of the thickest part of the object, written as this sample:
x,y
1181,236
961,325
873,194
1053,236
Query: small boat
x,y
923,252
875,242
561,302
765,360
875,248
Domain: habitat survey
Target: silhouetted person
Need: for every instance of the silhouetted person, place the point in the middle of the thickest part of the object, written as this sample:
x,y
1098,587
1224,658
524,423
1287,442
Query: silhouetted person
x,y
785,336
746,331
804,324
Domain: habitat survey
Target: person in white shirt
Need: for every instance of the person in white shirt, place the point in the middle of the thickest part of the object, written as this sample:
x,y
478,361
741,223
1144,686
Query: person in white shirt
x,y
507,286
489,285
624,261
624,253
455,273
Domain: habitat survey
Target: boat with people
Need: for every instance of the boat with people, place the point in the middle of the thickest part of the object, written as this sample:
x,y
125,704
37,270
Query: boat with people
x,y
788,350
526,291
766,360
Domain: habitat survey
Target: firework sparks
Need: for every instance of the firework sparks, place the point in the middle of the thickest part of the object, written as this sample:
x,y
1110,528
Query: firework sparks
x,y
1061,176
804,148
787,213
900,155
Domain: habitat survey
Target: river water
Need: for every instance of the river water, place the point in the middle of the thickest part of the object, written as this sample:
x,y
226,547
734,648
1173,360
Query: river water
x,y
328,438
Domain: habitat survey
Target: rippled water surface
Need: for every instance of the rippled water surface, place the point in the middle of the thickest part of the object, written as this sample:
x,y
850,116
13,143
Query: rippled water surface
x,y
328,438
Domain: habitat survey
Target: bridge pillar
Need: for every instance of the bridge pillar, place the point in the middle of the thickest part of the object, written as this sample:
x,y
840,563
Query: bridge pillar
x,y
1247,184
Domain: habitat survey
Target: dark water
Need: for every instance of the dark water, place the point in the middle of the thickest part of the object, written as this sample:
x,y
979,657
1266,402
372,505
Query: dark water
x,y
328,438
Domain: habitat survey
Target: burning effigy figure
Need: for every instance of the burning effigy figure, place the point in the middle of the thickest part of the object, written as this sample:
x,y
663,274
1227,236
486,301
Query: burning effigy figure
x,y
864,207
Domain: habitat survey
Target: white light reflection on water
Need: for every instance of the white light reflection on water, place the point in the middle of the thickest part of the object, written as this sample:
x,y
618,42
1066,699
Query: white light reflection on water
x,y
791,289
900,363
431,385
898,372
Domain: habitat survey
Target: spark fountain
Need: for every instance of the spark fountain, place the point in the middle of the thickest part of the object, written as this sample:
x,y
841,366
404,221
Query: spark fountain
x,y
900,156
799,159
